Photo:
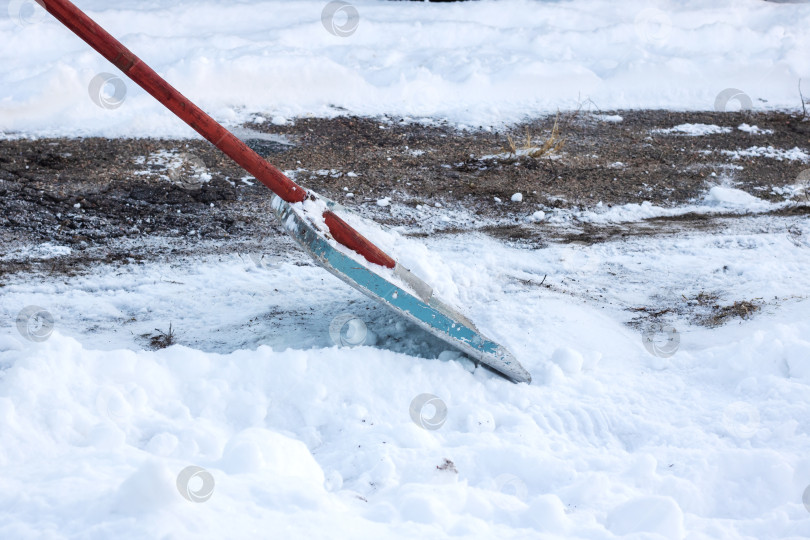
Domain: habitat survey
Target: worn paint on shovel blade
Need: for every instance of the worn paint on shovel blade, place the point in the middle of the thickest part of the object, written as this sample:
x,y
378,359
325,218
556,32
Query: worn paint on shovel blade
x,y
402,292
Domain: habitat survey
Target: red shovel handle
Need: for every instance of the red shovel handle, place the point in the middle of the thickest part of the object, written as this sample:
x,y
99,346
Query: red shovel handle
x,y
111,49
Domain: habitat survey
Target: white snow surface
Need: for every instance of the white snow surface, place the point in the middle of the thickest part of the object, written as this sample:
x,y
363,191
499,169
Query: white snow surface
x,y
486,63
305,439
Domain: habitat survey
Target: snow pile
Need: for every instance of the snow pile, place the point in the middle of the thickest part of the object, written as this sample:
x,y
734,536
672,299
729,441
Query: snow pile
x,y
476,64
731,199
281,432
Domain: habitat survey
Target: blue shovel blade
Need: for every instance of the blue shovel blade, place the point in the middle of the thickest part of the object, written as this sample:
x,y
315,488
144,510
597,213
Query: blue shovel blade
x,y
399,290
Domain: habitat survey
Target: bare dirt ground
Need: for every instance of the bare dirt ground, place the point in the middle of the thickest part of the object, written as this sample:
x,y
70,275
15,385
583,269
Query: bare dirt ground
x,y
118,200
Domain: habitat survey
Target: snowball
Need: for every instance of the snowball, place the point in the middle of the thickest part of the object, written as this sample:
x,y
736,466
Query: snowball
x,y
517,197
538,216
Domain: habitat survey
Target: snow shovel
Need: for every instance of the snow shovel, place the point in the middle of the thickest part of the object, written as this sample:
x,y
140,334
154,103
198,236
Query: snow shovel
x,y
312,220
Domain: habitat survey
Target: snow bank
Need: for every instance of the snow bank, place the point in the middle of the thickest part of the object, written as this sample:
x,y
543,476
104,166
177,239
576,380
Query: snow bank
x,y
476,64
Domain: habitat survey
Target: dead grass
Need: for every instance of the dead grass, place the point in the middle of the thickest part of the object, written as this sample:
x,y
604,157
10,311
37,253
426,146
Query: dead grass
x,y
162,339
707,310
552,145
722,314
704,309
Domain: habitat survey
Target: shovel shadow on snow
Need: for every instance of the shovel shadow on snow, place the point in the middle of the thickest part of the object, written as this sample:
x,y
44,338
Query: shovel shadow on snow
x,y
358,323
383,330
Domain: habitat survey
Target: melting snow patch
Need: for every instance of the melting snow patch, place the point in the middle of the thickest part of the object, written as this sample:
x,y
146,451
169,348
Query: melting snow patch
x,y
334,173
608,117
735,199
754,130
794,154
40,252
176,166
694,130
719,199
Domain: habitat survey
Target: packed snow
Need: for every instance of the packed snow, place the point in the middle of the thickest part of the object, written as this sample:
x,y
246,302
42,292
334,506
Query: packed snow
x,y
474,64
